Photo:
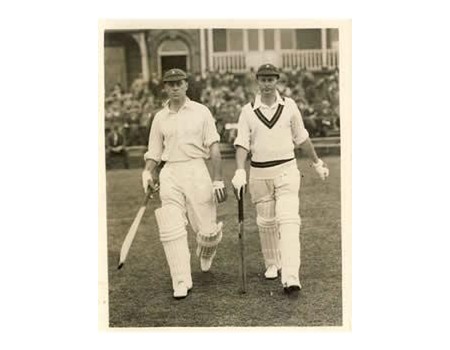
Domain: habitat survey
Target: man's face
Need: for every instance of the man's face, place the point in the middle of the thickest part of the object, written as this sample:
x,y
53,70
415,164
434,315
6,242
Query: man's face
x,y
267,84
176,89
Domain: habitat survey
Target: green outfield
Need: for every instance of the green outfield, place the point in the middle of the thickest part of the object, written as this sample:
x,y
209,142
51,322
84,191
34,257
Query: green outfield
x,y
140,294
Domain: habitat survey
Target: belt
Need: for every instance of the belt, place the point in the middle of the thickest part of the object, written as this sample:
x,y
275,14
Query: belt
x,y
270,163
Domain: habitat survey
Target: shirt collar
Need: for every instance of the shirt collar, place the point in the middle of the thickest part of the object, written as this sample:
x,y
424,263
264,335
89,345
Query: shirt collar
x,y
258,102
187,102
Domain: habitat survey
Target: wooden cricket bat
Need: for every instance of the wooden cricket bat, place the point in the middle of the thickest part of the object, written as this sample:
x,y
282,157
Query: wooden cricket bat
x,y
241,242
133,229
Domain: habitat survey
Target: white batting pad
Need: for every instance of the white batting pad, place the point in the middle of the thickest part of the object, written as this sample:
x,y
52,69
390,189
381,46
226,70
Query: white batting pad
x,y
171,222
287,209
179,261
207,246
268,233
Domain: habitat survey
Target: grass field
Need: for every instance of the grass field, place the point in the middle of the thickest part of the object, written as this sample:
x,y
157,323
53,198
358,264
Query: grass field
x,y
140,294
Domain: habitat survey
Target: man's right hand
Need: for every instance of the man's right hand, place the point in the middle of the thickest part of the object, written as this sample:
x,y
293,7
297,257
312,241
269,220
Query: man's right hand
x,y
147,181
239,181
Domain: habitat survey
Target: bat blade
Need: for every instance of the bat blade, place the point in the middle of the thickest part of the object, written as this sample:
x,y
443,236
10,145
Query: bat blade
x,y
130,236
132,231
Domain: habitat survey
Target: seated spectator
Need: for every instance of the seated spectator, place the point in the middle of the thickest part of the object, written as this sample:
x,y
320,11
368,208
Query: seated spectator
x,y
195,87
115,147
311,121
133,129
224,93
138,87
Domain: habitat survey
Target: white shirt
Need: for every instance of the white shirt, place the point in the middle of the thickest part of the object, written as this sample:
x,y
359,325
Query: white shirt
x,y
273,134
183,135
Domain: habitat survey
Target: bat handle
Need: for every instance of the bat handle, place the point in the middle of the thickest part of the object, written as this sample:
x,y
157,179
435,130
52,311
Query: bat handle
x,y
241,240
148,195
241,205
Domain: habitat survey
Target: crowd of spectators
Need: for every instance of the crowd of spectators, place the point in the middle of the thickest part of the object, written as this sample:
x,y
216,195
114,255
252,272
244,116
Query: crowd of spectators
x,y
316,94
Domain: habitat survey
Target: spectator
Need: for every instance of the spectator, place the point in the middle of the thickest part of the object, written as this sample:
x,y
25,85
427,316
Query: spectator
x,y
115,147
224,94
195,88
133,130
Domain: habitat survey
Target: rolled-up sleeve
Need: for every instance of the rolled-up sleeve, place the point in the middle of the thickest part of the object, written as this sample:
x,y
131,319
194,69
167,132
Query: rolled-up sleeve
x,y
210,134
243,135
155,142
299,132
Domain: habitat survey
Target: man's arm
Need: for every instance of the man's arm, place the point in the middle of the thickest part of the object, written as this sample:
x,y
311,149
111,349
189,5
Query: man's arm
x,y
152,157
211,140
147,177
216,160
319,166
239,180
150,165
241,157
309,150
242,145
301,140
220,191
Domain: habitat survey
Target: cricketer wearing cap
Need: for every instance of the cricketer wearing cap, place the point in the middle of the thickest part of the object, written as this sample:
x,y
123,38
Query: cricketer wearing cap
x,y
270,128
183,134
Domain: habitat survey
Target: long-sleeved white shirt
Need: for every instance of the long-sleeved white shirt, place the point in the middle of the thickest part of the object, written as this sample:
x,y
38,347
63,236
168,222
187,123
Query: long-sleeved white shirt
x,y
183,135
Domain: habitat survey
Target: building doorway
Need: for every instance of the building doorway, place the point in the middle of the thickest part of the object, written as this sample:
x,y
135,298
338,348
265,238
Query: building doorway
x,y
169,62
173,54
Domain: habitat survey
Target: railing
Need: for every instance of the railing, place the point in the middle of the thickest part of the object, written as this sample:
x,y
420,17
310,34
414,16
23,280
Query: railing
x,y
229,62
309,59
332,58
236,62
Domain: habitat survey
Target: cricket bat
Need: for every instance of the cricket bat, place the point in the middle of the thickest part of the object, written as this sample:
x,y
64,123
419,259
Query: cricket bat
x,y
133,229
241,241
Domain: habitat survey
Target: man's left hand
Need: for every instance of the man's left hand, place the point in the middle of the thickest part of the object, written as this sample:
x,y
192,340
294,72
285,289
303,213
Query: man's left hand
x,y
220,191
321,168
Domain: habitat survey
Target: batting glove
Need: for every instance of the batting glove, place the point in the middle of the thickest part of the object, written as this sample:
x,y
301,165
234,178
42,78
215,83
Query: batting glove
x,y
220,191
239,181
147,180
321,168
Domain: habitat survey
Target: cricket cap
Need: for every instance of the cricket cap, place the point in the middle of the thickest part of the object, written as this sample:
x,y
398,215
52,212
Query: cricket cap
x,y
174,74
268,70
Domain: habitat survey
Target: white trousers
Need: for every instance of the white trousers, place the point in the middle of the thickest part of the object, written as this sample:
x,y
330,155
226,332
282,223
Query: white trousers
x,y
278,219
186,192
188,186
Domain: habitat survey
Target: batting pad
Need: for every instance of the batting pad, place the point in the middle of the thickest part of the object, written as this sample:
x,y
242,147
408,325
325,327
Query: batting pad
x,y
179,261
287,210
207,244
290,254
171,222
268,233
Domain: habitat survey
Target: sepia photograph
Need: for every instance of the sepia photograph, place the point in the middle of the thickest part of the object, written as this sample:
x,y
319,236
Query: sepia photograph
x,y
225,198
228,169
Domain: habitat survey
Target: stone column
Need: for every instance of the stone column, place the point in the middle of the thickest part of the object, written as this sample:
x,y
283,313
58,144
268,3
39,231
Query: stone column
x,y
202,52
260,40
140,39
245,41
323,33
210,50
277,40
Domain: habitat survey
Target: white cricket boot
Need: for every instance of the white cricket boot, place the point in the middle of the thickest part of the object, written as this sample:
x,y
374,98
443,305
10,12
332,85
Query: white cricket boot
x,y
271,272
181,290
